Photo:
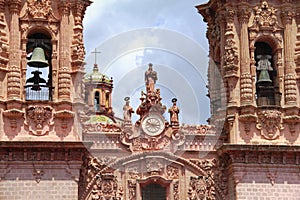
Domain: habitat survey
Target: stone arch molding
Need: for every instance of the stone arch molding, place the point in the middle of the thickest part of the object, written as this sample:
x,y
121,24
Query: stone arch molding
x,y
39,16
106,181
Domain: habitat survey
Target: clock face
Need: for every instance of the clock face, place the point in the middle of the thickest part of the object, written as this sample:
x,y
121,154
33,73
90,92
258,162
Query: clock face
x,y
153,125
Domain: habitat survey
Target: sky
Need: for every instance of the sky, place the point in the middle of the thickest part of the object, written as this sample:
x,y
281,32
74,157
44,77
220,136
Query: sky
x,y
170,34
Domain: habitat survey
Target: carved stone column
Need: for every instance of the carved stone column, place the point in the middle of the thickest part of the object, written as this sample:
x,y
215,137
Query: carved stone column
x,y
64,77
3,37
77,48
14,74
230,57
246,78
290,87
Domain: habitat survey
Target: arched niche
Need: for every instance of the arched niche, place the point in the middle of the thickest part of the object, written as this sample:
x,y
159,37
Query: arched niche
x,y
38,84
266,56
97,101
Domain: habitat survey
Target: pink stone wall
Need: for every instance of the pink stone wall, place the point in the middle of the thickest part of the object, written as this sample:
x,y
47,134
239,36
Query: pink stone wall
x,y
18,182
46,190
253,191
268,182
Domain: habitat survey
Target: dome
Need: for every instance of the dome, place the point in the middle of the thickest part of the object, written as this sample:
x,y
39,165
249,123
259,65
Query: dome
x,y
96,76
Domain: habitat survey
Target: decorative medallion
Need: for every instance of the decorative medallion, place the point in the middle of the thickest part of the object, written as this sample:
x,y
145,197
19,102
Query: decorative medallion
x,y
269,124
37,117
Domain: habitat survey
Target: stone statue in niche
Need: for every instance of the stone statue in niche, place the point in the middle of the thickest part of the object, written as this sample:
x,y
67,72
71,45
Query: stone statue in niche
x,y
264,66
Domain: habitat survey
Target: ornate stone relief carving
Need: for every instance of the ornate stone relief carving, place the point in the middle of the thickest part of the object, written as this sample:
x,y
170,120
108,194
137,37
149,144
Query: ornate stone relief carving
x,y
77,47
154,167
100,128
265,17
216,178
94,165
201,187
231,53
37,117
39,13
133,172
213,34
176,190
132,189
4,46
170,137
172,172
269,122
106,187
39,8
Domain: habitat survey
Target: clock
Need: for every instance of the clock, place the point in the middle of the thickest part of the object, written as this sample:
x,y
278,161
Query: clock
x,y
153,124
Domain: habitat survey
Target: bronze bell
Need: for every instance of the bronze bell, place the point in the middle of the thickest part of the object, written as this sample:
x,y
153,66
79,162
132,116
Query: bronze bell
x,y
38,58
264,77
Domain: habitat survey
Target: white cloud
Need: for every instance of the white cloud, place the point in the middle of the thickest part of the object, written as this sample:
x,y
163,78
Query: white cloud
x,y
168,33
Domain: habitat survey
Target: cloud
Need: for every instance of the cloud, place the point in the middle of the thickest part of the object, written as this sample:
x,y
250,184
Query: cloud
x,y
105,19
168,33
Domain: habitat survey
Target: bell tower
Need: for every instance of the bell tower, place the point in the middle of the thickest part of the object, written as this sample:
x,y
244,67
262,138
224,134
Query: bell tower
x,y
41,72
254,87
253,47
41,69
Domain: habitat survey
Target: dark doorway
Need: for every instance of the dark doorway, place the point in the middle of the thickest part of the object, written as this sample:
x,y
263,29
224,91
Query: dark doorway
x,y
153,192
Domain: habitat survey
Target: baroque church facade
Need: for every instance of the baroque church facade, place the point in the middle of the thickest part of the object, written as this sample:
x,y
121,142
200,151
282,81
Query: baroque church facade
x,y
59,138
